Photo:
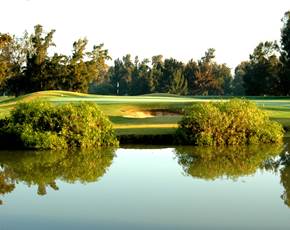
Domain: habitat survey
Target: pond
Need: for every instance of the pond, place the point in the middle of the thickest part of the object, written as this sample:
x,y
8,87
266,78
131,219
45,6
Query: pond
x,y
147,188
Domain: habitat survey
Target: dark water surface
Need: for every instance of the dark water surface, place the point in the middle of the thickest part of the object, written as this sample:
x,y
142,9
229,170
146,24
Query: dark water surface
x,y
129,188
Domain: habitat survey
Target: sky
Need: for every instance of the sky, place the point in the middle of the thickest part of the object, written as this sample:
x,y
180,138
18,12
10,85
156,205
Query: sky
x,y
182,29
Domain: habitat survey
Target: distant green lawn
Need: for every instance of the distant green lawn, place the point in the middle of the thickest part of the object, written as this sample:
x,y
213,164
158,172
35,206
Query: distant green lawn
x,y
124,111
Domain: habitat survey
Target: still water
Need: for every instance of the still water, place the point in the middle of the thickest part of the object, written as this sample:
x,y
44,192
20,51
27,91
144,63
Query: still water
x,y
147,188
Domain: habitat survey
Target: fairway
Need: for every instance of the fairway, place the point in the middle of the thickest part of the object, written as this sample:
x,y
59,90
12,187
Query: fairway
x,y
146,114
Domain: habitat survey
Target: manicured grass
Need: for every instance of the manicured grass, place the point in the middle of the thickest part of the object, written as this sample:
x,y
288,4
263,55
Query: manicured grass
x,y
122,109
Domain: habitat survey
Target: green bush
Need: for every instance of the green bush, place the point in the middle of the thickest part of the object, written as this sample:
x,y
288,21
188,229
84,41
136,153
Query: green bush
x,y
236,122
41,125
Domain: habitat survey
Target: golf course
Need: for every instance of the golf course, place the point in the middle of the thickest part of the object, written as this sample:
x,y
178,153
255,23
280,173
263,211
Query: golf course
x,y
151,114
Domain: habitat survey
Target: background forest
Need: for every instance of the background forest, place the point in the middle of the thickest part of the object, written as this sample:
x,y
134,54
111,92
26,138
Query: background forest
x,y
26,66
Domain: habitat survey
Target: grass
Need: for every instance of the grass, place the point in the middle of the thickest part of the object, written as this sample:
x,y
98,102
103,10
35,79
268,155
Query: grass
x,y
122,110
140,130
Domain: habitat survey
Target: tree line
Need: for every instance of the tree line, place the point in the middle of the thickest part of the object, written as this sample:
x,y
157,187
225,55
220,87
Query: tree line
x,y
127,77
26,66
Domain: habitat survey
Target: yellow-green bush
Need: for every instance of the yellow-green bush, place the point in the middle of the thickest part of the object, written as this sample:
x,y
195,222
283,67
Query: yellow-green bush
x,y
235,122
41,125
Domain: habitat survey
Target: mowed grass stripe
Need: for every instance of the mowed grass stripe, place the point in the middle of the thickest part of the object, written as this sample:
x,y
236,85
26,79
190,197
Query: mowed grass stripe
x,y
128,126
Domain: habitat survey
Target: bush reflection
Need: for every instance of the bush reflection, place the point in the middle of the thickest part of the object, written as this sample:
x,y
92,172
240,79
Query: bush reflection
x,y
211,163
45,167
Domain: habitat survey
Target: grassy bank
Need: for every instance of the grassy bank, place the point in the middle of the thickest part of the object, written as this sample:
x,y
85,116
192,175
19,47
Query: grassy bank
x,y
154,114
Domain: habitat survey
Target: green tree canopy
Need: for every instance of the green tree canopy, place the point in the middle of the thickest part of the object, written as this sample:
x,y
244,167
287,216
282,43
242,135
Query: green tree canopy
x,y
261,74
26,65
285,54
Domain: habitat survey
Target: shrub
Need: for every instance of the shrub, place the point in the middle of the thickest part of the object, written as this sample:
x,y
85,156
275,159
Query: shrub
x,y
236,122
41,125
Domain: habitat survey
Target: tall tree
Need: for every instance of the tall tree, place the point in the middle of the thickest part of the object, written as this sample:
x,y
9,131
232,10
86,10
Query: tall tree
x,y
5,60
170,67
79,75
238,81
156,73
35,70
140,78
13,52
121,75
285,54
115,75
57,73
262,73
223,77
189,72
204,76
178,84
39,71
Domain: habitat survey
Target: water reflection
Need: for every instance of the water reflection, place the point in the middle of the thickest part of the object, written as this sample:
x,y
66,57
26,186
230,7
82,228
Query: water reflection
x,y
44,168
282,164
6,184
232,162
211,163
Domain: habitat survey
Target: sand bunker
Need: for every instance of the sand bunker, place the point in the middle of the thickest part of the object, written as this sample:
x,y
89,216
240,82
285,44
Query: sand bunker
x,y
148,113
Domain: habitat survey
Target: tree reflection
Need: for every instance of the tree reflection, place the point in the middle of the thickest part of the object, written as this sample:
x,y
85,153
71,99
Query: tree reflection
x,y
283,165
285,181
44,168
6,184
211,163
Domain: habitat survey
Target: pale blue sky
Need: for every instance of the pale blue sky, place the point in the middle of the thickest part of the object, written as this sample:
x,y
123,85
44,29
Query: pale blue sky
x,y
182,29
